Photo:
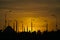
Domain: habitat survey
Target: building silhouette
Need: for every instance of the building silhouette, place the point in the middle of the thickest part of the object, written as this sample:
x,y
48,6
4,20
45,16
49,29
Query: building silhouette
x,y
9,29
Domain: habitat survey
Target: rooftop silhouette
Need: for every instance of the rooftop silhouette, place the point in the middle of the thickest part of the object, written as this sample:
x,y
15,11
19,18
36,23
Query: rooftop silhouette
x,y
9,29
10,34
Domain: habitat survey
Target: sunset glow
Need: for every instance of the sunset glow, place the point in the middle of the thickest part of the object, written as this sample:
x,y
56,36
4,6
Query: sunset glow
x,y
41,13
38,23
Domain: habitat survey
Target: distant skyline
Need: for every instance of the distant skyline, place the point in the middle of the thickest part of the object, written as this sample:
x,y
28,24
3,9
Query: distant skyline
x,y
27,9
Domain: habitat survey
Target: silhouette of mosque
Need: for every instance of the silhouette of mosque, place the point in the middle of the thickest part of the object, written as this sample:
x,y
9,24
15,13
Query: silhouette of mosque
x,y
8,29
15,25
10,34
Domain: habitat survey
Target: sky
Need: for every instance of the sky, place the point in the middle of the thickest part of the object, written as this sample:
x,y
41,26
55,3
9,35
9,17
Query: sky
x,y
19,9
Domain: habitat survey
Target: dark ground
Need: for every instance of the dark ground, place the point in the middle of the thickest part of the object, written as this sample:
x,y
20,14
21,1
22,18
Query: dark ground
x,y
10,34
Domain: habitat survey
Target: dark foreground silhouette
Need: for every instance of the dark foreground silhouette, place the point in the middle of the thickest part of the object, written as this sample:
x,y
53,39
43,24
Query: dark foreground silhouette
x,y
10,34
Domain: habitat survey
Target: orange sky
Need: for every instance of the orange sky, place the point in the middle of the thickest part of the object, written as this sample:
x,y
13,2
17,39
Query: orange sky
x,y
39,10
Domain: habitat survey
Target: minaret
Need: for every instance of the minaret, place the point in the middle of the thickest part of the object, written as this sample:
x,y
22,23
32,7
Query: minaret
x,y
46,25
22,27
27,28
8,23
56,21
56,24
5,20
31,25
56,27
16,26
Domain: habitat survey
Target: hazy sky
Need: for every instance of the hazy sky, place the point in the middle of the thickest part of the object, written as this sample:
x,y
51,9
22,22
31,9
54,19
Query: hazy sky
x,y
29,8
